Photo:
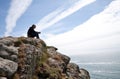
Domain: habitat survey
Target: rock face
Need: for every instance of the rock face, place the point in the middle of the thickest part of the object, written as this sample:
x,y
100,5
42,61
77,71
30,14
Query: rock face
x,y
29,58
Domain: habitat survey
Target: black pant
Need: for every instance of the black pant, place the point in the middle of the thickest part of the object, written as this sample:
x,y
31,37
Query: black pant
x,y
34,35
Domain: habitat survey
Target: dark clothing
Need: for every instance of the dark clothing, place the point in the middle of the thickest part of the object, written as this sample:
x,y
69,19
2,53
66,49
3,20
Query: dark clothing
x,y
32,33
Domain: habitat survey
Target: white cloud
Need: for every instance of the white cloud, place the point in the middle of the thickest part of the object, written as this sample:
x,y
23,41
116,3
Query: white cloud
x,y
101,33
60,14
17,8
43,23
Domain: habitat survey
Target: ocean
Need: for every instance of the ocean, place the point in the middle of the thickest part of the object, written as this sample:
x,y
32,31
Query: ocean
x,y
99,67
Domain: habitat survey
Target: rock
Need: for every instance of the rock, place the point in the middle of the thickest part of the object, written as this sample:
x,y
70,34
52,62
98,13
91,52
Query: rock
x,y
29,58
10,49
14,58
7,67
7,52
54,54
4,54
73,71
8,41
51,50
65,58
84,74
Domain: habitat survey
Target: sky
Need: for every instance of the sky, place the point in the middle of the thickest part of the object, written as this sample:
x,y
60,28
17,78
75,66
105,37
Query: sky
x,y
75,27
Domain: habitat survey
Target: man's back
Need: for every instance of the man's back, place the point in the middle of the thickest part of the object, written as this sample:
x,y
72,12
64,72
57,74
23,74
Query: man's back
x,y
32,33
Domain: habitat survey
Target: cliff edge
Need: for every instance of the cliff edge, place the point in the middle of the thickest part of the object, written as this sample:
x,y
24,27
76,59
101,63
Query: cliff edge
x,y
29,58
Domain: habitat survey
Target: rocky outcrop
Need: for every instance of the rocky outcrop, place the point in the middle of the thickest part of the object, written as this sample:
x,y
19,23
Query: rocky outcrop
x,y
29,58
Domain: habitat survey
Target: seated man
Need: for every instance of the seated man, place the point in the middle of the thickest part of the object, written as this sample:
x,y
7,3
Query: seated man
x,y
32,33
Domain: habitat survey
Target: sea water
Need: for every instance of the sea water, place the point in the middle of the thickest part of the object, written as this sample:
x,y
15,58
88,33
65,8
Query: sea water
x,y
99,68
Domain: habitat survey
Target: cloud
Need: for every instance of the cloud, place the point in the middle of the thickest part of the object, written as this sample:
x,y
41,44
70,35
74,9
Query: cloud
x,y
61,13
17,8
43,23
101,33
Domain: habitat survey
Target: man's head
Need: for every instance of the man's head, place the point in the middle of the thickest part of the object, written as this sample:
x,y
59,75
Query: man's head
x,y
33,26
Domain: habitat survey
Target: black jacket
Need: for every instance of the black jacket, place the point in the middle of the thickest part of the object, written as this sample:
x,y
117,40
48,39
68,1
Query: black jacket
x,y
31,32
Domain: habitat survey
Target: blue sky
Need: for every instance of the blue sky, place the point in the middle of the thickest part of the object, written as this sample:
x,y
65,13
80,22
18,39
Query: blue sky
x,y
73,26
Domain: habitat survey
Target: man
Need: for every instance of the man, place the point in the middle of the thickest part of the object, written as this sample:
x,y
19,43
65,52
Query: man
x,y
32,33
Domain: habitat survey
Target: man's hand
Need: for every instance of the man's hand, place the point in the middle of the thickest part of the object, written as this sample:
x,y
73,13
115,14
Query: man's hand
x,y
39,32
